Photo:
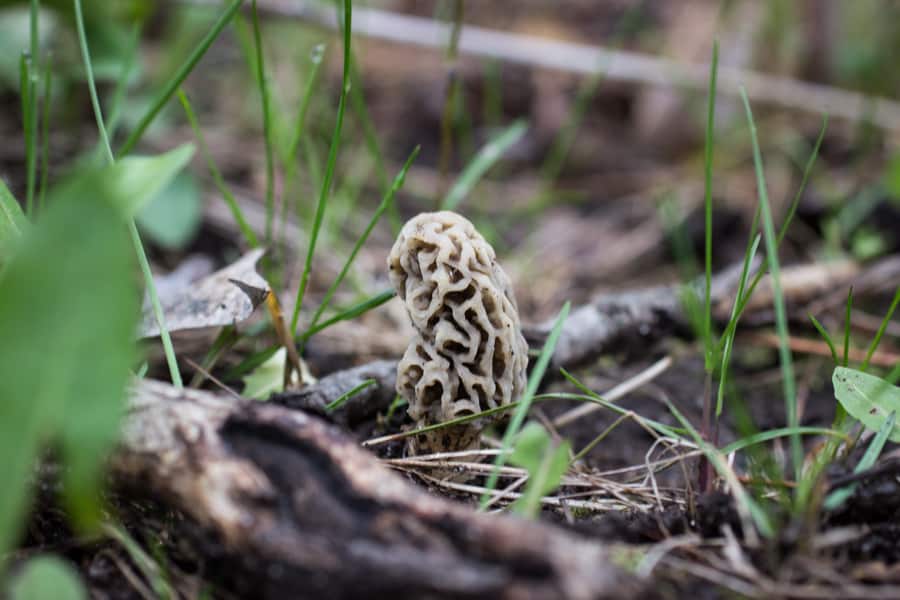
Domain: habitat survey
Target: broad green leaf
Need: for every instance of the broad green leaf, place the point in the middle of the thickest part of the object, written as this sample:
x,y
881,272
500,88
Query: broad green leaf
x,y
12,222
172,218
545,462
68,312
132,182
47,578
868,398
267,378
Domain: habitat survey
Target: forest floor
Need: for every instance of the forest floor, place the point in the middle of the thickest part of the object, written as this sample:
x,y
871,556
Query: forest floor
x,y
600,203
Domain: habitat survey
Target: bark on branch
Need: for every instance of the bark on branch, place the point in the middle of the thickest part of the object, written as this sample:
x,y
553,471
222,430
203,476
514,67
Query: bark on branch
x,y
632,319
291,507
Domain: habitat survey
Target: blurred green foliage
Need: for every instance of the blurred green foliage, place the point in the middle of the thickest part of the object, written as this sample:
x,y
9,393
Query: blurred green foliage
x,y
68,312
173,217
46,578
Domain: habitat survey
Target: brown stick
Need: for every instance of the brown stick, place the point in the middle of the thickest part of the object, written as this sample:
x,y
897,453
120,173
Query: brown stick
x,y
283,505
613,323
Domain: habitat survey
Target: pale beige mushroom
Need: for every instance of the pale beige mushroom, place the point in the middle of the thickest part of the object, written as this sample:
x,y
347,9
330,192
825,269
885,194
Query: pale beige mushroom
x,y
468,354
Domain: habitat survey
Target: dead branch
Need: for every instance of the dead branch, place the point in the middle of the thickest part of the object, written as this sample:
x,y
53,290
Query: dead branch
x,y
360,407
618,65
630,320
283,505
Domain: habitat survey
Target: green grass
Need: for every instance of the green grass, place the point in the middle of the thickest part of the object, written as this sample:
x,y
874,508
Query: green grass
x,y
166,339
486,158
386,202
31,115
329,170
337,402
349,313
263,83
709,357
370,135
731,330
746,505
763,270
223,188
787,365
29,110
827,337
847,326
117,104
45,138
881,329
174,82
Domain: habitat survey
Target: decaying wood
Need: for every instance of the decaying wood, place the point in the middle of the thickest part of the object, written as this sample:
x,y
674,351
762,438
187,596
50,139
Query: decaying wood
x,y
359,407
288,506
631,319
635,318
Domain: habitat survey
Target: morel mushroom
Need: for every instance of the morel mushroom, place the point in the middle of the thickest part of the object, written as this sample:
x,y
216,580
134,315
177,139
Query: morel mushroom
x,y
468,353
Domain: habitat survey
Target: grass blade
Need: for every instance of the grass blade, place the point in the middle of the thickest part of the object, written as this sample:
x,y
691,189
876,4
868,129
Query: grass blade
x,y
263,84
847,327
565,138
45,138
385,203
784,227
329,169
29,122
592,396
731,330
807,170
350,313
534,380
31,117
166,339
707,203
772,434
787,365
881,328
825,336
229,198
178,77
118,100
347,395
745,505
317,59
489,154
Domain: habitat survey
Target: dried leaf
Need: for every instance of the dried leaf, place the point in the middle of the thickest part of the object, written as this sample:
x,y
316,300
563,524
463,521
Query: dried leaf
x,y
226,297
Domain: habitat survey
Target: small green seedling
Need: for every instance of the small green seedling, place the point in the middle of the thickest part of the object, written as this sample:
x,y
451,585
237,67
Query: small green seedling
x,y
546,463
46,578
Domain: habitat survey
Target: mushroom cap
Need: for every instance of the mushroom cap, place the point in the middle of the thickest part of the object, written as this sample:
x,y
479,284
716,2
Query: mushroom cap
x,y
468,354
